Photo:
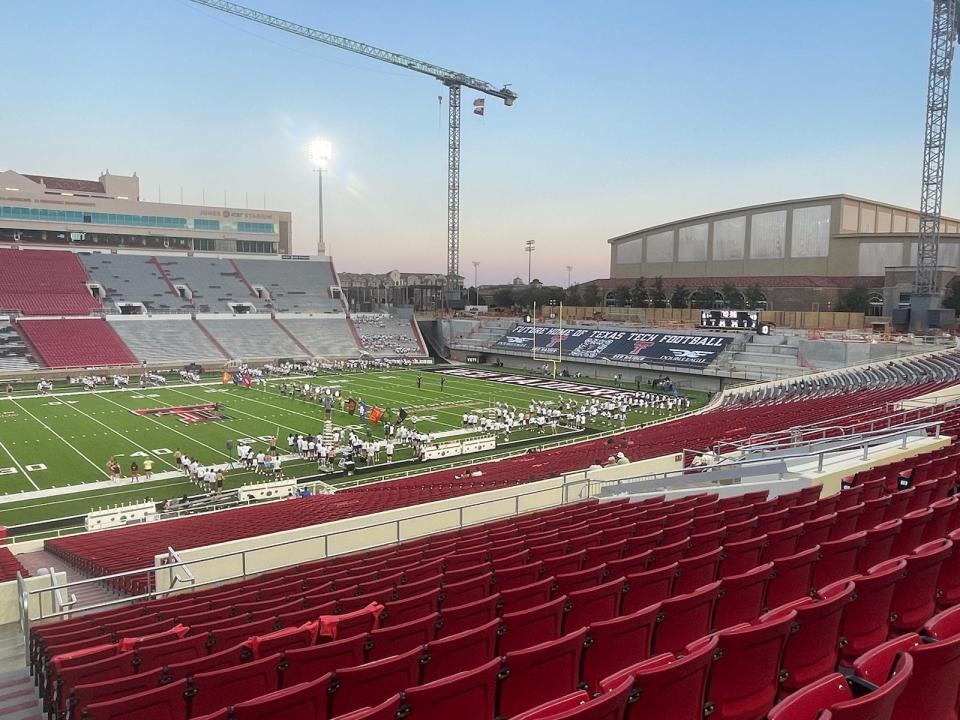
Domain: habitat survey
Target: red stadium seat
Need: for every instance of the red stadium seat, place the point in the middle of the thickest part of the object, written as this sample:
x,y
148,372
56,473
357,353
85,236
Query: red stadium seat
x,y
831,697
387,710
398,639
527,596
306,664
219,688
666,686
540,673
880,539
741,597
306,701
593,604
914,596
167,702
610,705
792,577
612,644
367,685
684,618
649,587
463,651
467,695
455,620
838,559
739,557
532,626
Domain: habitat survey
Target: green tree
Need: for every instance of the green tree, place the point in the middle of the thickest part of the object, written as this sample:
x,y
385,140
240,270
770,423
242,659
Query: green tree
x,y
658,295
702,298
621,296
572,296
638,294
951,299
680,297
504,297
856,299
732,297
591,295
754,297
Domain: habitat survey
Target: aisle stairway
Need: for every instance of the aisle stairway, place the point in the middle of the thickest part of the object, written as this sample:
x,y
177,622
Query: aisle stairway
x,y
87,595
18,696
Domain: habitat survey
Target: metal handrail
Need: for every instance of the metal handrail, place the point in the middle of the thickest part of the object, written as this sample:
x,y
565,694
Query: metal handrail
x,y
174,557
569,484
59,603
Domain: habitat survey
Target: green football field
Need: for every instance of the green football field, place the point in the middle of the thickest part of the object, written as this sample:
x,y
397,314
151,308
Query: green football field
x,y
67,437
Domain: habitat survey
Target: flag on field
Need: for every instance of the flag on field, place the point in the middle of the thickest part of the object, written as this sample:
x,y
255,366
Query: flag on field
x,y
245,381
363,410
375,415
402,415
227,378
478,106
351,406
237,377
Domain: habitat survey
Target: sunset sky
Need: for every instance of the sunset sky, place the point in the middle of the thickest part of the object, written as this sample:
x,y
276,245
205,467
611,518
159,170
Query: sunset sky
x,y
629,114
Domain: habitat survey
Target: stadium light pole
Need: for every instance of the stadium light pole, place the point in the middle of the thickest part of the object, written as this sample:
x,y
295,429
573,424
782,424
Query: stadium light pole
x,y
320,153
529,247
476,290
569,271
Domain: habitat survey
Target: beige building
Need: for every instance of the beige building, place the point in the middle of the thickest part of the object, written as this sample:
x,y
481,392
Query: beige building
x,y
109,212
837,241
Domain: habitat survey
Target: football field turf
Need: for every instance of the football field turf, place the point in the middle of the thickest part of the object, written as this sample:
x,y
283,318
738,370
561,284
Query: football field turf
x,y
67,437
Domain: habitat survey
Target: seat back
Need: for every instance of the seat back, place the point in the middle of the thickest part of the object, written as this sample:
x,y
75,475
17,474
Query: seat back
x,y
540,673
668,687
683,618
532,626
880,540
372,683
465,650
593,604
697,571
219,688
838,559
741,596
739,557
469,695
792,577
167,702
914,597
611,644
304,701
649,587
579,706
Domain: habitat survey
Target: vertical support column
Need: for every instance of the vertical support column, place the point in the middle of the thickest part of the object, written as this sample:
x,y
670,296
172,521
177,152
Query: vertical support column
x,y
453,186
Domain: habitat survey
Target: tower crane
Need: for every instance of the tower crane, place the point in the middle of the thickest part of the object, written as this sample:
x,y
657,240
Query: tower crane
x,y
945,34
454,81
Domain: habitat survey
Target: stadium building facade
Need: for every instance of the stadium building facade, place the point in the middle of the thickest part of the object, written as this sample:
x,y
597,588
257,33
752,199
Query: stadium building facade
x,y
804,253
109,212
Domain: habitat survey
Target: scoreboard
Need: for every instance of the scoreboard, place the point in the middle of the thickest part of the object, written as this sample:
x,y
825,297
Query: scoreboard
x,y
730,319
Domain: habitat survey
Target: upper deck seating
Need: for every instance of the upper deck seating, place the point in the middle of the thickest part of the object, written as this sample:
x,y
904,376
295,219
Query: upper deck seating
x,y
214,282
44,282
293,285
133,278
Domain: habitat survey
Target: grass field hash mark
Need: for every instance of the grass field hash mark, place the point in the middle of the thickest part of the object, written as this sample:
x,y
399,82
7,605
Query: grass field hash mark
x,y
19,466
65,441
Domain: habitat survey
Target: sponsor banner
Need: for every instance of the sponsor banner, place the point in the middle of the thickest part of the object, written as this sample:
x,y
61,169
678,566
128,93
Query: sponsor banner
x,y
615,345
536,382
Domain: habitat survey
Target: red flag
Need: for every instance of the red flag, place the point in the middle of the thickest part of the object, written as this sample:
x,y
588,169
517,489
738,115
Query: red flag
x,y
375,415
245,381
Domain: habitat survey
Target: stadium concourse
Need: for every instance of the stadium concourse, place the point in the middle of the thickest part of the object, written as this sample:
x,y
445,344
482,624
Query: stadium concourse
x,y
742,607
91,309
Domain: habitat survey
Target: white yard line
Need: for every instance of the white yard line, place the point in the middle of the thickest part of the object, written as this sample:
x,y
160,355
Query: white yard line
x,y
173,430
116,432
19,466
61,438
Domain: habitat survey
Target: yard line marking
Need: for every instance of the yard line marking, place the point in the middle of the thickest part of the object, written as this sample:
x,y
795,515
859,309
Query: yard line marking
x,y
61,437
116,432
25,473
171,429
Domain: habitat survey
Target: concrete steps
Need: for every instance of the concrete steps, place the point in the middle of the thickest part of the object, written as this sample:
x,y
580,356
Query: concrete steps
x,y
762,358
87,595
18,695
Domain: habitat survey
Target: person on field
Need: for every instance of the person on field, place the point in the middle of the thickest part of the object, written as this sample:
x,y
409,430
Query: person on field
x,y
147,468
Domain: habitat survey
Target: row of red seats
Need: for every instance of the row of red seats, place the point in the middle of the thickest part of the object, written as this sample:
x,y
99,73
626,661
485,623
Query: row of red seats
x,y
76,342
10,566
689,572
120,550
43,282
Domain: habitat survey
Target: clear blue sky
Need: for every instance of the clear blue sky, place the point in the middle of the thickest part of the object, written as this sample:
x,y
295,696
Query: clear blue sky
x,y
630,114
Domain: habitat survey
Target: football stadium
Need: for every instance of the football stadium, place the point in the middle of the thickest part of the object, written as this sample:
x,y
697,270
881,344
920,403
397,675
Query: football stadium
x,y
717,480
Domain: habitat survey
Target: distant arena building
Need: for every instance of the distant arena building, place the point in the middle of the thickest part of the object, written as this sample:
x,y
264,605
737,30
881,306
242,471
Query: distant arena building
x,y
803,253
38,209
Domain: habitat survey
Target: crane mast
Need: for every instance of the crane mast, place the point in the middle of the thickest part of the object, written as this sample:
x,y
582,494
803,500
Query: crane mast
x,y
944,35
453,80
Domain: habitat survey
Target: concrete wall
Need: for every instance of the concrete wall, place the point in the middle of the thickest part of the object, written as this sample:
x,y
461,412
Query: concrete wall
x,y
829,355
10,604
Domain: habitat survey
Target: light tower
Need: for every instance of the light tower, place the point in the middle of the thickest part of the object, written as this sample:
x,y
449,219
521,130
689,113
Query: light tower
x,y
476,289
569,274
320,153
529,247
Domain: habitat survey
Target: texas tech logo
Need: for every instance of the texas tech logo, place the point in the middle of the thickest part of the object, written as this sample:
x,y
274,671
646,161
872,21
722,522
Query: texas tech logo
x,y
188,414
640,345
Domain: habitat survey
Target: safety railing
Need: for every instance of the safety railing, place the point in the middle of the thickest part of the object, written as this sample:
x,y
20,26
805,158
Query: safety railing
x,y
574,487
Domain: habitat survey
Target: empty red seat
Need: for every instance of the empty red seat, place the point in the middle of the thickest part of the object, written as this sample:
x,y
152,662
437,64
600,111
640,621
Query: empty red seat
x,y
948,584
911,531
612,644
866,621
464,617
167,702
398,639
219,688
611,705
667,686
915,596
838,559
931,690
743,680
467,695
463,651
306,664
782,543
741,597
373,683
697,570
648,588
527,596
593,604
831,697
792,578
540,673
684,618
880,539
739,557
532,626
305,701
814,645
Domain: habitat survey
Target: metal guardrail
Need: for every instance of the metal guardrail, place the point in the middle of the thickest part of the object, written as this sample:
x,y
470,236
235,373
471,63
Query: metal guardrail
x,y
575,486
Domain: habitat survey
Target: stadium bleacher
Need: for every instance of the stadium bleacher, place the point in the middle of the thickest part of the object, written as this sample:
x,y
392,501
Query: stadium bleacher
x,y
384,336
245,336
294,286
134,279
214,282
40,282
324,336
14,353
534,615
76,342
10,566
162,340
